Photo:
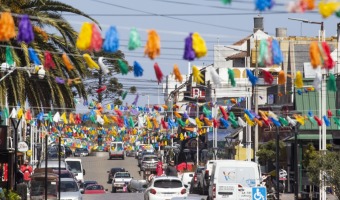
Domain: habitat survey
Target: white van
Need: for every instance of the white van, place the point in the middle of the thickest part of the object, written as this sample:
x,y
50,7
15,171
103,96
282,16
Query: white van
x,y
233,179
76,166
117,150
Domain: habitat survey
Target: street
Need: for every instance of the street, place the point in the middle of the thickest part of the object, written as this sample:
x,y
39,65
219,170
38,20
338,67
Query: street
x,y
96,169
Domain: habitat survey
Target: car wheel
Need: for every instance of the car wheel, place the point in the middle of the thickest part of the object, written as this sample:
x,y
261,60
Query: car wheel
x,y
200,190
123,158
113,190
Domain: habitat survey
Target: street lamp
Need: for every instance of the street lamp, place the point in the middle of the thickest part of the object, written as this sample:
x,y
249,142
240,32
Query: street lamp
x,y
15,124
33,69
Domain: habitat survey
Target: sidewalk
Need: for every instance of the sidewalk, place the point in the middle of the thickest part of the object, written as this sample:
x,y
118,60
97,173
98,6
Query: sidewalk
x,y
290,196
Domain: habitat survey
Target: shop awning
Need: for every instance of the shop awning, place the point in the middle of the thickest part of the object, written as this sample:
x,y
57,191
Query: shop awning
x,y
310,137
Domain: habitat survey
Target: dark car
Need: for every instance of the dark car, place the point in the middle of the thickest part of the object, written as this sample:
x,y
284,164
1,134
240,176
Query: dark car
x,y
112,172
86,183
194,181
81,152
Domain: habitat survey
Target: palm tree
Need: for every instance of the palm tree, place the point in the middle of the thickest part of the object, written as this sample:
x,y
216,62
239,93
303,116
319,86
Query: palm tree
x,y
44,93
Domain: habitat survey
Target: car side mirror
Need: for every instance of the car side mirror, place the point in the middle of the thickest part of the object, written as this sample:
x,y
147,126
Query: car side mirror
x,y
108,171
106,189
84,171
186,186
81,191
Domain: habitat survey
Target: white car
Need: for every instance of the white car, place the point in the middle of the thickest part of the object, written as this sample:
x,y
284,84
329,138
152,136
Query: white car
x,y
165,188
69,189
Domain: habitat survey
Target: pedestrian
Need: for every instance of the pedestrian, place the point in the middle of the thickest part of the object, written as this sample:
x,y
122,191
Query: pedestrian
x,y
27,170
159,168
171,169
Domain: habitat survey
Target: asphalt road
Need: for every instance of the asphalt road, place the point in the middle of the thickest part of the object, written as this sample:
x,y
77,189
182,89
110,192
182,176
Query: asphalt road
x,y
96,168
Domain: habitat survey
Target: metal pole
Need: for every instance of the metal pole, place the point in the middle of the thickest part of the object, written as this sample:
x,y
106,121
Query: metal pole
x,y
197,147
15,125
59,165
296,164
215,116
46,155
256,102
277,163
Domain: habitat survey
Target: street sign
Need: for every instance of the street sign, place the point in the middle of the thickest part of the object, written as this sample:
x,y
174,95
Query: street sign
x,y
259,193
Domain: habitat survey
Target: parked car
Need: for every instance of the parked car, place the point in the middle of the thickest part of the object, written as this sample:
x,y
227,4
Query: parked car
x,y
120,180
165,187
94,189
137,185
87,183
78,152
187,178
112,172
194,181
69,189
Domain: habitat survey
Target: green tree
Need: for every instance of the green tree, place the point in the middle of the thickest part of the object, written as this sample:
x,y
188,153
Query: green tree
x,y
309,154
329,163
267,152
19,87
114,88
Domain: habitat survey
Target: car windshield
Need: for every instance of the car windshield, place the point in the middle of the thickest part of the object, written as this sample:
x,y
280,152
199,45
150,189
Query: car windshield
x,y
122,175
94,187
150,159
66,175
117,146
81,150
68,186
168,183
89,183
37,188
75,166
114,170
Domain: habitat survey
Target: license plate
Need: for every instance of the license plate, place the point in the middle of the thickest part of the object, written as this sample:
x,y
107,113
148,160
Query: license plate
x,y
225,196
147,172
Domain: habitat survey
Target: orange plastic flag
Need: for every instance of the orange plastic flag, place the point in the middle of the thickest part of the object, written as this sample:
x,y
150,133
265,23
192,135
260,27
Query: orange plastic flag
x,y
153,45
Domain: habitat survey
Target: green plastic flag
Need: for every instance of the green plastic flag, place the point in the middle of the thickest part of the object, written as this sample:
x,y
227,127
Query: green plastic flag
x,y
231,76
134,40
132,124
93,118
180,122
331,83
124,95
9,57
336,121
233,122
226,1
283,121
124,68
232,116
5,113
206,111
50,117
312,120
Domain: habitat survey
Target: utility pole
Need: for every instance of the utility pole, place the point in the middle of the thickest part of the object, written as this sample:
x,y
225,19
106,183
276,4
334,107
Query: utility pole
x,y
197,146
256,103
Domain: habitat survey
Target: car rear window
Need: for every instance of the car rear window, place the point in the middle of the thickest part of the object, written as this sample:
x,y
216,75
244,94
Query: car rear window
x,y
167,183
114,170
122,175
150,159
68,186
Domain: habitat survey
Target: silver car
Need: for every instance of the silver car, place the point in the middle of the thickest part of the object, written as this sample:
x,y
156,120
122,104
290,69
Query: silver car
x,y
69,189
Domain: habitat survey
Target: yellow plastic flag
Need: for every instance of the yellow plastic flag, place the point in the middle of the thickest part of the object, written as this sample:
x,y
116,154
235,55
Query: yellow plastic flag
x,y
106,120
299,119
108,106
63,117
148,123
248,120
20,113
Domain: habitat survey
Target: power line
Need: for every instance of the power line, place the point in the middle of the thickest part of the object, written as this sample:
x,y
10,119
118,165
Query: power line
x,y
175,18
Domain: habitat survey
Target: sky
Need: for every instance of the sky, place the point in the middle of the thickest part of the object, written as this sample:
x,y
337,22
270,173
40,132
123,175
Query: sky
x,y
173,20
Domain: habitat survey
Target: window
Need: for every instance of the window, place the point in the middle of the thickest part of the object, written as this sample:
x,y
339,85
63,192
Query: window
x,y
68,186
168,183
75,166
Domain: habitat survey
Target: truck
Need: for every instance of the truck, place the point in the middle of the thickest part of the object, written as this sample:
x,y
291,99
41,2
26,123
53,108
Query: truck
x,y
120,180
148,165
117,150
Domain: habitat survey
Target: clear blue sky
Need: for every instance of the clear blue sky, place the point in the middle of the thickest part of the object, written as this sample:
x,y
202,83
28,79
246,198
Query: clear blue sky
x,y
175,19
